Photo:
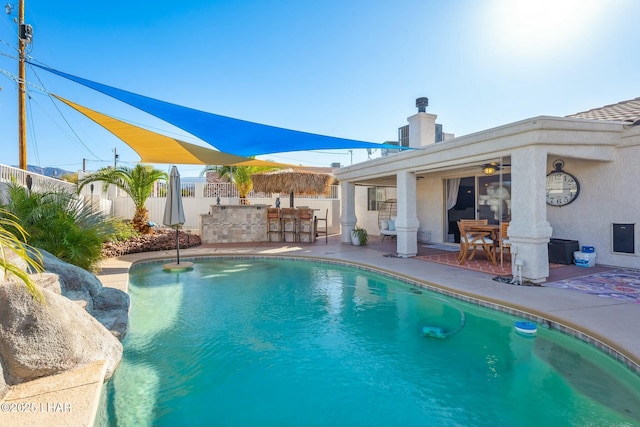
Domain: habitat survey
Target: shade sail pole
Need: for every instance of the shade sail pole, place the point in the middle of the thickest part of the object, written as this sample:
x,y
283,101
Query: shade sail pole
x,y
177,246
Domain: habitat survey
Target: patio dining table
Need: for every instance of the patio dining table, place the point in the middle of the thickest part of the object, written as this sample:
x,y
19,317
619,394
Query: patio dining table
x,y
482,231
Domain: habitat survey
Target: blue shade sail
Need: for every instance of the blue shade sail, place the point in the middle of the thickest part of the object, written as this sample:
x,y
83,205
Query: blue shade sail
x,y
235,136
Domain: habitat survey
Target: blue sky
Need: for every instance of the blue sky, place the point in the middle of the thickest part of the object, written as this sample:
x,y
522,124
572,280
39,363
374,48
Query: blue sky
x,y
351,68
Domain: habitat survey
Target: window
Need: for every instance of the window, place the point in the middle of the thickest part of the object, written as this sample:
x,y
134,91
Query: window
x,y
494,198
376,197
403,136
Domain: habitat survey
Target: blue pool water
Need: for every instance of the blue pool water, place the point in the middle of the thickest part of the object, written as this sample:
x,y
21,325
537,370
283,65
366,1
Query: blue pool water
x,y
244,342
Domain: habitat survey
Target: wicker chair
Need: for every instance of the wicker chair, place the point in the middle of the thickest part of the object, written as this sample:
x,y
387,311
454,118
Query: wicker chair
x,y
387,217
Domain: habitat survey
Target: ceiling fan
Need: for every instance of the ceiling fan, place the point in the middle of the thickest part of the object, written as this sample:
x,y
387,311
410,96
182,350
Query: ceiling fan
x,y
492,167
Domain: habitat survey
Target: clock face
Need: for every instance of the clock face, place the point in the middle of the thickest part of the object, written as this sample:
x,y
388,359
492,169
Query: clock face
x,y
562,188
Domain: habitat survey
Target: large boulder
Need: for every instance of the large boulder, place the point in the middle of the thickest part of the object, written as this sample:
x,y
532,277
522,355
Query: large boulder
x,y
41,338
3,383
111,308
73,280
109,305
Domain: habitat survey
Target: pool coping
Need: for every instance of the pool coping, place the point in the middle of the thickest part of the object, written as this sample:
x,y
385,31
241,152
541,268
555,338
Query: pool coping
x,y
69,398
566,310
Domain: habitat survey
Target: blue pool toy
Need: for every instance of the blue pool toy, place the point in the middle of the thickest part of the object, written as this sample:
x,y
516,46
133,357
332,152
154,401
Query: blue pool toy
x,y
528,328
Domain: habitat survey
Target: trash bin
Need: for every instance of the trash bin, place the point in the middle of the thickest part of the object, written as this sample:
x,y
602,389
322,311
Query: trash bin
x,y
561,251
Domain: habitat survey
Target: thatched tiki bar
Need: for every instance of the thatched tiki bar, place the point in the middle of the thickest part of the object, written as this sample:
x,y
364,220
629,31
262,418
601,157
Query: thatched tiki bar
x,y
293,181
248,223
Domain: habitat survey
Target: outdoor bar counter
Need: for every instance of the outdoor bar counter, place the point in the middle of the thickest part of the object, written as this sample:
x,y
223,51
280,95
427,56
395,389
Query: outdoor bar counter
x,y
234,223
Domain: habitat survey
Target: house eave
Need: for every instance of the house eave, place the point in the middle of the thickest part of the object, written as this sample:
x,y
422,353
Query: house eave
x,y
581,138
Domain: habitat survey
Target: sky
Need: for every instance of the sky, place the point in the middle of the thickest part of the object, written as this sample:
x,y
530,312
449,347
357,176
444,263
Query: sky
x,y
351,69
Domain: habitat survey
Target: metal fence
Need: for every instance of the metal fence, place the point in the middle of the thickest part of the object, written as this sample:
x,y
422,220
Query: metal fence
x,y
33,180
197,197
224,190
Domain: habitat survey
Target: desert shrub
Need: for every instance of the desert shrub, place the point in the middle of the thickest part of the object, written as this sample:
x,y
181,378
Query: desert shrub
x,y
60,223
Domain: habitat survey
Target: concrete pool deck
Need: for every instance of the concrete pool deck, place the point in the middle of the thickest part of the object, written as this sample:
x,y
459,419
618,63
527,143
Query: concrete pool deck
x,y
592,318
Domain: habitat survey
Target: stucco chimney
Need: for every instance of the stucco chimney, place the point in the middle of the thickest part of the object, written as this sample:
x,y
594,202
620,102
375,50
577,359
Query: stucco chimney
x,y
422,126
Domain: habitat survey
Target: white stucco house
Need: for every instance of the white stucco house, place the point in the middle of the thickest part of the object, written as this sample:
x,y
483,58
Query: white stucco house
x,y
438,183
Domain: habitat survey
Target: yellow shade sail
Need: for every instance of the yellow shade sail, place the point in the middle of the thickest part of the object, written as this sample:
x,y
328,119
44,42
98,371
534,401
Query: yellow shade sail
x,y
156,148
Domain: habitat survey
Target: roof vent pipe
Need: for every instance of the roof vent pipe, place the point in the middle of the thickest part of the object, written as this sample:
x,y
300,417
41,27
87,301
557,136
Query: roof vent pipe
x,y
422,104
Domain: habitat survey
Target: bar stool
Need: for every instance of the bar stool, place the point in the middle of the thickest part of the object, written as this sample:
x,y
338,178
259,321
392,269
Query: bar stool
x,y
274,224
305,225
324,230
289,224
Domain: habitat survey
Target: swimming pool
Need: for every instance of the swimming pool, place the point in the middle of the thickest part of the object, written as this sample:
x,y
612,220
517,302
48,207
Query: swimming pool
x,y
287,342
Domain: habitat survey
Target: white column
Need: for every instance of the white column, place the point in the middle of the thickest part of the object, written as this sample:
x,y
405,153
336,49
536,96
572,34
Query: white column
x,y
348,210
407,219
422,129
529,230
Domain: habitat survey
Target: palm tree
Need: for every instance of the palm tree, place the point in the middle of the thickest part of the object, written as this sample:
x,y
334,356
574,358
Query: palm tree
x,y
242,179
240,176
137,182
15,241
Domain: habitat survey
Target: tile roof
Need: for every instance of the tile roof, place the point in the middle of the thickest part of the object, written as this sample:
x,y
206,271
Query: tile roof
x,y
625,111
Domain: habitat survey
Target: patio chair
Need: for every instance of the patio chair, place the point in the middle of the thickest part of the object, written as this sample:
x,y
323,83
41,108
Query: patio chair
x,y
274,224
471,240
305,225
324,230
475,221
504,242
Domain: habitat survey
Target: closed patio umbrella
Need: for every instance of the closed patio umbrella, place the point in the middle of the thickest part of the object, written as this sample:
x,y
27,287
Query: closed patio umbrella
x,y
173,210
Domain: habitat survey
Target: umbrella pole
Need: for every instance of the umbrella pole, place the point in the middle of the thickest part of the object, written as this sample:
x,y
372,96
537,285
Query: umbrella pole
x,y
291,200
177,245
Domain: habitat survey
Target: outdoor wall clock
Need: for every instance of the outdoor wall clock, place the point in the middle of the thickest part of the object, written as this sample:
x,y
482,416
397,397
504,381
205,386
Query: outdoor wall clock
x,y
562,187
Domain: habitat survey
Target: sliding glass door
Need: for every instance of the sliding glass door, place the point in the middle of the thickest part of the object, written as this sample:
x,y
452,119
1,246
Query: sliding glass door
x,y
476,197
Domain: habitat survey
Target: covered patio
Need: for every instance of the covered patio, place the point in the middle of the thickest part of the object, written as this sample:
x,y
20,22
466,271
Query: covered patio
x,y
527,151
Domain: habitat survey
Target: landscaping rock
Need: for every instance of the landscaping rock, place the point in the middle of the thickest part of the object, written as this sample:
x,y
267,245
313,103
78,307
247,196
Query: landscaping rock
x,y
50,281
3,385
44,338
160,240
111,308
108,305
71,278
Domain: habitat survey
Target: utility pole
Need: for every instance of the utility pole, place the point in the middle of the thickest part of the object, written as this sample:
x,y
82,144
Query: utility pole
x,y
115,158
25,36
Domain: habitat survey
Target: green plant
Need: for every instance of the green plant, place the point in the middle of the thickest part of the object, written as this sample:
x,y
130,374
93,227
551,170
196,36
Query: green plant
x,y
12,238
137,182
239,175
60,223
122,230
361,234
